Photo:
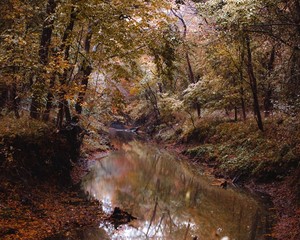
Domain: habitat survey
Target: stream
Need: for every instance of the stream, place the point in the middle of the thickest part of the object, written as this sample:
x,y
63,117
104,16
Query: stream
x,y
168,198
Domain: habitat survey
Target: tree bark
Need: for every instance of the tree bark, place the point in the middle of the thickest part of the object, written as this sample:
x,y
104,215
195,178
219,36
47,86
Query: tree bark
x,y
268,91
63,106
243,105
151,97
253,85
46,114
43,55
13,100
86,70
66,48
235,114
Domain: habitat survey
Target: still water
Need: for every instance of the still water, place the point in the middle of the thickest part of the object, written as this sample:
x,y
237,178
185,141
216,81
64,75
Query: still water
x,y
169,199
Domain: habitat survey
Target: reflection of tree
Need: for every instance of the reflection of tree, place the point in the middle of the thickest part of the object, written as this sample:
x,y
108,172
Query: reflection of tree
x,y
168,199
256,221
153,216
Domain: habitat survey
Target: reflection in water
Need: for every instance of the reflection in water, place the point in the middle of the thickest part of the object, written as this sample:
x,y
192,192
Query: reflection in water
x,y
169,200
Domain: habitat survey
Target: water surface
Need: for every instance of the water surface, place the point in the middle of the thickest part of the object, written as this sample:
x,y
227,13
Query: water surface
x,y
169,199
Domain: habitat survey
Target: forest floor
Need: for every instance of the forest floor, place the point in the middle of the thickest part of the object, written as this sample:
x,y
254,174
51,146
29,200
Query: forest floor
x,y
38,200
44,210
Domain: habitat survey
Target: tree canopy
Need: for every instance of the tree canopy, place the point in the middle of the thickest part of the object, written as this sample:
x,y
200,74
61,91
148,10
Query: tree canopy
x,y
63,58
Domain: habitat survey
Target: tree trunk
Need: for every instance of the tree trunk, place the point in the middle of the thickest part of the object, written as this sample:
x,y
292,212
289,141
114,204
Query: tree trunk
x,y
63,107
66,49
268,100
86,70
192,80
13,100
63,112
253,85
243,105
190,69
43,56
268,91
50,97
67,111
235,114
198,108
189,65
294,79
63,103
151,97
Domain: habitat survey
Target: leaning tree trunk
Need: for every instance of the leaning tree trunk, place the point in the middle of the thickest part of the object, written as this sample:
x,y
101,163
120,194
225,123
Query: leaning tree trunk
x,y
63,106
43,56
253,85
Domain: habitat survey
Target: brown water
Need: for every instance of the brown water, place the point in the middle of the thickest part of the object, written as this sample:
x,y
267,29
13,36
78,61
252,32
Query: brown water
x,y
169,199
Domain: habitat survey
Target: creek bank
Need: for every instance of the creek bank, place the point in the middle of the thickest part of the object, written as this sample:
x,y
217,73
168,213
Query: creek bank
x,y
265,162
35,210
40,197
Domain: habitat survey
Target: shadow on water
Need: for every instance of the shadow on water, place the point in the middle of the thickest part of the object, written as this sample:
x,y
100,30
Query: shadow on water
x,y
168,199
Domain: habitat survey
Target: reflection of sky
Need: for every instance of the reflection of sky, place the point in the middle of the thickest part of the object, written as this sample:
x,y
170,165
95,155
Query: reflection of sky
x,y
168,199
143,231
